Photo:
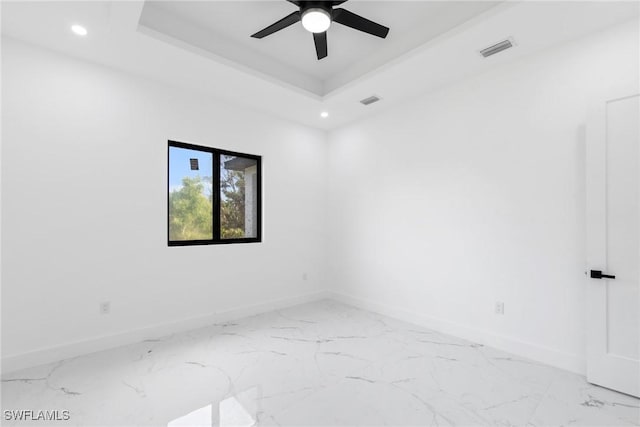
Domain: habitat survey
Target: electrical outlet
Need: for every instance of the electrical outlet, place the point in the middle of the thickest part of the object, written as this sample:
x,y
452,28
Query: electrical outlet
x,y
499,309
304,276
105,307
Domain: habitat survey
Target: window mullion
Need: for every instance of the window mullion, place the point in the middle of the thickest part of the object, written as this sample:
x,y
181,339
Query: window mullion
x,y
216,195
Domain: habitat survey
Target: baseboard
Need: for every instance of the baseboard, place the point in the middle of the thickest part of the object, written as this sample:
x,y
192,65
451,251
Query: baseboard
x,y
536,352
549,356
53,354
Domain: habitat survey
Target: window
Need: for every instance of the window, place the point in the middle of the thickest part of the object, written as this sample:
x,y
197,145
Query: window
x,y
213,196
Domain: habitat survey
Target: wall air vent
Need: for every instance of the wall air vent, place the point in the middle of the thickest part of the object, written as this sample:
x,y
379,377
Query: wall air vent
x,y
370,100
498,47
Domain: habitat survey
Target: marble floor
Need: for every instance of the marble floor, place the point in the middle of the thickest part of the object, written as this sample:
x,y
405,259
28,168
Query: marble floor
x,y
322,363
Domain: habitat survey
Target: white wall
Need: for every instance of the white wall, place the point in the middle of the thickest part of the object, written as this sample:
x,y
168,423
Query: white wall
x,y
84,216
475,194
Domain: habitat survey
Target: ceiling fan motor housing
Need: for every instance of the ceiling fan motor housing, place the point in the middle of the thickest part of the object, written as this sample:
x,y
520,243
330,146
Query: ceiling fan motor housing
x,y
324,5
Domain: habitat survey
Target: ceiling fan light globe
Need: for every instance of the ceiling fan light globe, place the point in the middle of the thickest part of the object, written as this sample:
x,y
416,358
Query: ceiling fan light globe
x,y
316,20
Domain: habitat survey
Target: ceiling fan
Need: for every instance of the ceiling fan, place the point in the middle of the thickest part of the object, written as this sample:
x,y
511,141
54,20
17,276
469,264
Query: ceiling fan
x,y
317,16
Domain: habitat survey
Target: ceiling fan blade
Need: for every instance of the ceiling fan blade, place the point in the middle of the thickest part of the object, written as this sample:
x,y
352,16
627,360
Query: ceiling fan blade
x,y
357,22
320,39
297,3
277,26
335,3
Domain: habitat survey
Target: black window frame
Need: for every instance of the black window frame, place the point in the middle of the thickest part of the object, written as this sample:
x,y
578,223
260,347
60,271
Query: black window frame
x,y
216,154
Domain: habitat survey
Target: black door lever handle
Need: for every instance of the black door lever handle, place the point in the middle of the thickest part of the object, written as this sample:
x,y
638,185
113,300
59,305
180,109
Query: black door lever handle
x,y
597,274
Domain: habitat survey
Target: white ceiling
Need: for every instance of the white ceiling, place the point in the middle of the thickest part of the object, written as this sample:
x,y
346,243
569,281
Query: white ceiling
x,y
223,28
117,39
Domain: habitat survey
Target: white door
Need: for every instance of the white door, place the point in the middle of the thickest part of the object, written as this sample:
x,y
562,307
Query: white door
x,y
613,242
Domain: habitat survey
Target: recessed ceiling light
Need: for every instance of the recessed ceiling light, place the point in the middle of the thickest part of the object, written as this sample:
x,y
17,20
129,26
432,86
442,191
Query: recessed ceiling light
x,y
79,30
316,20
324,114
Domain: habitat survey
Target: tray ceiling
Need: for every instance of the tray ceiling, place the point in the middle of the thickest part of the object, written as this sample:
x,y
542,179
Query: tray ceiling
x,y
118,38
223,28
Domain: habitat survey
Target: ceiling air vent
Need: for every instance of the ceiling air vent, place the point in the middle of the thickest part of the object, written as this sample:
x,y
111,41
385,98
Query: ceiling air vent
x,y
498,47
370,100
